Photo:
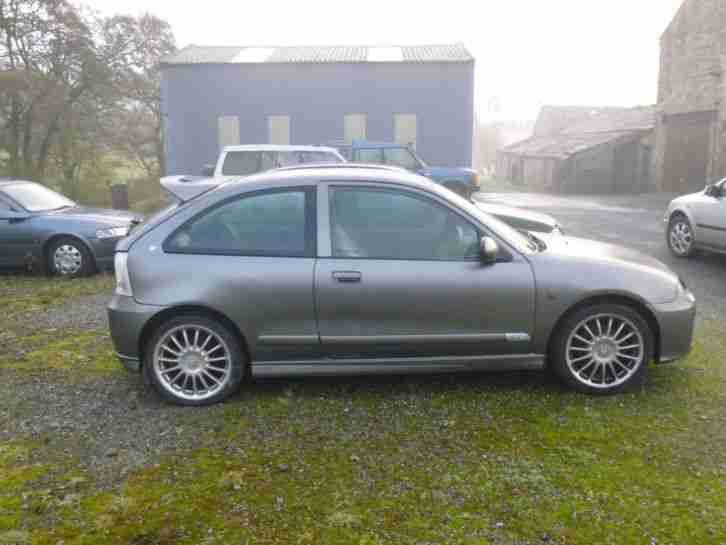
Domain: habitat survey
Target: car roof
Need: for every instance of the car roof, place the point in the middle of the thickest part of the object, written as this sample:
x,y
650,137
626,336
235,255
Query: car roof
x,y
367,144
9,181
276,147
343,166
344,172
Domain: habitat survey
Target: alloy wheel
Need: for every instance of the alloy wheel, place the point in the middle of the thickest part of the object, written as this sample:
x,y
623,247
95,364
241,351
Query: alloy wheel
x,y
192,362
681,237
605,351
67,260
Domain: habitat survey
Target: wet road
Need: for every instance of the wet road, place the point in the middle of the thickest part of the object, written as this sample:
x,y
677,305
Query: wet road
x,y
635,221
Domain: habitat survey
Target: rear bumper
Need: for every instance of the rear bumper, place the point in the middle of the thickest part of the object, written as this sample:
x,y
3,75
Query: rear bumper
x,y
127,319
676,320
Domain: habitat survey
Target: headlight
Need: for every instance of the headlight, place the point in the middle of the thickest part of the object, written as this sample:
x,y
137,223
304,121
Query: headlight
x,y
123,282
114,232
476,180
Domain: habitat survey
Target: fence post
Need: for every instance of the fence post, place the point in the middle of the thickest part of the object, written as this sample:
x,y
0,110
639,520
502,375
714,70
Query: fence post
x,y
120,196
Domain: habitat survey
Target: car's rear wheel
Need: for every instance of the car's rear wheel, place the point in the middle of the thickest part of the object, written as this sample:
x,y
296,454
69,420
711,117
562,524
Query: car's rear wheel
x,y
194,360
680,236
69,257
602,349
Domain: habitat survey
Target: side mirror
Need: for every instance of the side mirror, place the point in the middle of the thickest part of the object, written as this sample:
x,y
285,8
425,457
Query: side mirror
x,y
208,170
10,215
488,250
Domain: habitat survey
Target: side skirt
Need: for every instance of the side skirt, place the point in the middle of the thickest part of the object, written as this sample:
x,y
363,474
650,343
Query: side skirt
x,y
396,366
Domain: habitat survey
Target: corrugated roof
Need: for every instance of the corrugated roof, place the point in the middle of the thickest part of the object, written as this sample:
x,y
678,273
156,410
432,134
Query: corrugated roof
x,y
196,54
589,119
561,146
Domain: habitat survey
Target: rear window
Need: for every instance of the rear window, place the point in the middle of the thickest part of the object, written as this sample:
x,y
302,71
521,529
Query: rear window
x,y
241,163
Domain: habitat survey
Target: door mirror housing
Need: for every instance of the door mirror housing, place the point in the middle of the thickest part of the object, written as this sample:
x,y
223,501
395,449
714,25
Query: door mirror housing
x,y
488,250
208,170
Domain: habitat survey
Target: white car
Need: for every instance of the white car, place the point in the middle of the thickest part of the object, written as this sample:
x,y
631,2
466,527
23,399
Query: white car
x,y
235,161
698,221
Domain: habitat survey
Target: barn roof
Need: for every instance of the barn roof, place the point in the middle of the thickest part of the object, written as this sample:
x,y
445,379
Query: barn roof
x,y
196,54
563,131
561,146
589,119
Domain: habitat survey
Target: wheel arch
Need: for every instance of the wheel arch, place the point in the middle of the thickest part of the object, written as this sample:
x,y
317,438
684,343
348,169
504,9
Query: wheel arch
x,y
618,299
45,248
189,309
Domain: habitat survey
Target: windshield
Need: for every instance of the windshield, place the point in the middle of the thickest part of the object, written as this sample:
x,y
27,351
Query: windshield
x,y
37,198
522,243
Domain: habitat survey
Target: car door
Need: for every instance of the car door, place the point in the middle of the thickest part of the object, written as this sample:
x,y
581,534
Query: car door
x,y
398,275
16,240
711,218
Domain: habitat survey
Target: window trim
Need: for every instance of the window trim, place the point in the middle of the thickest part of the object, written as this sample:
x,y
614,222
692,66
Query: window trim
x,y
309,192
324,198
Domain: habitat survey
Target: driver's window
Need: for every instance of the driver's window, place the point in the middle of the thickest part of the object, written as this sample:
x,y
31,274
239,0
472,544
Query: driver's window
x,y
375,223
263,224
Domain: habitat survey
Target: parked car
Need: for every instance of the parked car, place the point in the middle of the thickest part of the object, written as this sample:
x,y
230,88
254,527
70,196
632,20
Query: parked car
x,y
251,159
698,221
40,226
522,219
464,181
332,270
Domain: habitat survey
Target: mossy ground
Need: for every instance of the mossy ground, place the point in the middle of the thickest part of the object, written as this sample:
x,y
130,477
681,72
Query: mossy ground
x,y
470,459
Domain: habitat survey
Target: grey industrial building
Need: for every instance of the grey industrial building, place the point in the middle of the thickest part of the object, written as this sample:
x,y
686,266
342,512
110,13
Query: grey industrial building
x,y
217,96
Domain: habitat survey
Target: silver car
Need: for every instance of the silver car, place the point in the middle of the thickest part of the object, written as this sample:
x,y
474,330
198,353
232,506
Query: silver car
x,y
330,270
698,221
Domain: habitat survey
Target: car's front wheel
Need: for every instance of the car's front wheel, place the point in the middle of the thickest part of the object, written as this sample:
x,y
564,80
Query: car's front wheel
x,y
602,349
680,236
194,360
70,258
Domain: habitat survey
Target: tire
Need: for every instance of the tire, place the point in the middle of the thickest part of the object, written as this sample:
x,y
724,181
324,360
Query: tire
x,y
70,258
210,357
611,360
680,238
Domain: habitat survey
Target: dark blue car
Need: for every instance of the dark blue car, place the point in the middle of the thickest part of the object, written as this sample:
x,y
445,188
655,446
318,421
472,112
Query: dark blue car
x,y
464,181
41,227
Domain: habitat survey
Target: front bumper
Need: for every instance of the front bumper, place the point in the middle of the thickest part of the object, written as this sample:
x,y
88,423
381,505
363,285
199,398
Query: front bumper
x,y
127,319
677,321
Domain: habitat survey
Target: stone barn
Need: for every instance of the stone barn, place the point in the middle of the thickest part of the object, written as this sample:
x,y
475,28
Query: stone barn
x,y
691,131
584,150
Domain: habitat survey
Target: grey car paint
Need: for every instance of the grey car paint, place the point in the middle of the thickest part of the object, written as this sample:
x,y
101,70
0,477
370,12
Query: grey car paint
x,y
706,212
24,235
402,315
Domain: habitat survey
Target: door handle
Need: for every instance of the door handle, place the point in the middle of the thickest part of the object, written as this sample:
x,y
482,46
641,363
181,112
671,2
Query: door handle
x,y
347,277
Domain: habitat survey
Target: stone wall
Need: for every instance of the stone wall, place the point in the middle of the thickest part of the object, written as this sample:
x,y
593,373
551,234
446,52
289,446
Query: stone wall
x,y
692,67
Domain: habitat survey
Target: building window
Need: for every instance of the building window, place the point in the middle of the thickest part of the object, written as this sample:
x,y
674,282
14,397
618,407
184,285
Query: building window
x,y
279,128
228,131
405,128
354,127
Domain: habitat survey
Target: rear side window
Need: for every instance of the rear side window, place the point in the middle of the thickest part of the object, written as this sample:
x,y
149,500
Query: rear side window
x,y
241,163
270,223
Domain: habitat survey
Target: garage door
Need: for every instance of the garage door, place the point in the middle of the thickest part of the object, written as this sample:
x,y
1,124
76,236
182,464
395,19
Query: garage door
x,y
688,144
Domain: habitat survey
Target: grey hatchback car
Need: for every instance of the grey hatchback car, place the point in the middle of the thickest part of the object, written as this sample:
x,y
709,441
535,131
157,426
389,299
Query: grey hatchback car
x,y
339,270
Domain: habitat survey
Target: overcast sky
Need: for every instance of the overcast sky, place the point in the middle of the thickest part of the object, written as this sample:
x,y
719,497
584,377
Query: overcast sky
x,y
528,52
